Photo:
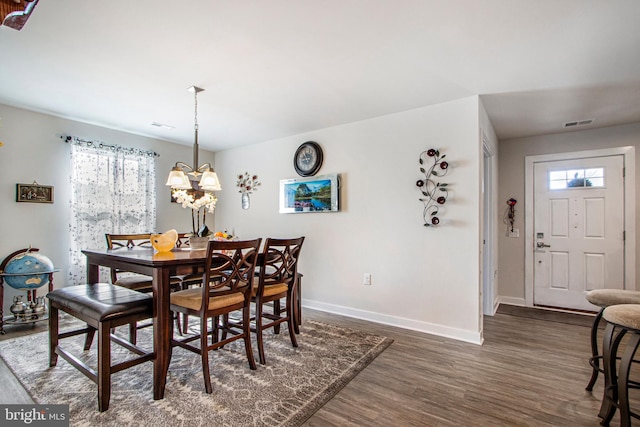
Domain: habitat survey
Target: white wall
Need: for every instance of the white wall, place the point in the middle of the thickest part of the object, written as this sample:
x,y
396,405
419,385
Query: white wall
x,y
422,278
33,151
511,184
425,279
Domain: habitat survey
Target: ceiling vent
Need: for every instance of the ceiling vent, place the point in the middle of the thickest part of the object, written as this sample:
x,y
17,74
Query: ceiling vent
x,y
162,125
578,123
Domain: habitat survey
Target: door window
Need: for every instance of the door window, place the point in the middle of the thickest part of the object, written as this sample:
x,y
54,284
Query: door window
x,y
576,178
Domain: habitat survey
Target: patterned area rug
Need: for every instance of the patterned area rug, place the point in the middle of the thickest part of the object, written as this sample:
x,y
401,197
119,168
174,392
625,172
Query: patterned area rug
x,y
294,383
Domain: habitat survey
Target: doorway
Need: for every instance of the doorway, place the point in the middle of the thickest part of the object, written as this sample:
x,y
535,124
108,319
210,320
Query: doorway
x,y
579,206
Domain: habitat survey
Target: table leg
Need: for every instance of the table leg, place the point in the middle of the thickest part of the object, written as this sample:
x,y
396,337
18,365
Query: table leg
x,y
93,273
161,331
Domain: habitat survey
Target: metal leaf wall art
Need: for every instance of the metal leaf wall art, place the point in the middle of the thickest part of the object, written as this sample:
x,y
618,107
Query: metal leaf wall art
x,y
434,193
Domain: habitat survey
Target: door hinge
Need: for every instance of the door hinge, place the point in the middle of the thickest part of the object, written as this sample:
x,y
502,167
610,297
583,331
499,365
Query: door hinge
x,y
624,172
624,235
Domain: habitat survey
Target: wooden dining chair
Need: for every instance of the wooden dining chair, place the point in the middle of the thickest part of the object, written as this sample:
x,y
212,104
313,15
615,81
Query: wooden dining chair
x,y
187,280
135,281
227,283
276,281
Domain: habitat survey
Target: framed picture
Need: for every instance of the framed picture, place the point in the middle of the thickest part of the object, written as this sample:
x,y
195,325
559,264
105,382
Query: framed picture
x,y
34,193
317,194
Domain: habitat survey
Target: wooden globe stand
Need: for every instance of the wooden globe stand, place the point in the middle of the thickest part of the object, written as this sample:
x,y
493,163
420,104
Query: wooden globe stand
x,y
31,292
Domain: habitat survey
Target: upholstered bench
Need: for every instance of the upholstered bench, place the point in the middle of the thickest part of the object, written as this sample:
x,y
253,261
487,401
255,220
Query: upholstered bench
x,y
101,306
604,298
621,319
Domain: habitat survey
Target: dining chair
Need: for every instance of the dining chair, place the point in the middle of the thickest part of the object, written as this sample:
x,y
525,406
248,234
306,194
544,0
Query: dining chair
x,y
227,283
187,280
275,281
135,281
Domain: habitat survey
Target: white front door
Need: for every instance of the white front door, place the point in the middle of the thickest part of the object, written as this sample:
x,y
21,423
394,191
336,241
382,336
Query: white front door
x,y
578,229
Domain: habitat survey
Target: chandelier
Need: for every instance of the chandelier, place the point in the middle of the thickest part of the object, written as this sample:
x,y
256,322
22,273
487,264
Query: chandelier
x,y
204,176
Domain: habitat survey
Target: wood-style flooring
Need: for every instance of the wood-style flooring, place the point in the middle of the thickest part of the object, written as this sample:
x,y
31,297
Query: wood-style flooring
x,y
530,371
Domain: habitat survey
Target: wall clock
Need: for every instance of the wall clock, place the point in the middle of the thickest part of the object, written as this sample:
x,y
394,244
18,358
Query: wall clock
x,y
308,158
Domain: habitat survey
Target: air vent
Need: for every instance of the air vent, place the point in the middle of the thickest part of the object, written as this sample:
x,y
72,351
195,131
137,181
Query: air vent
x,y
161,125
578,123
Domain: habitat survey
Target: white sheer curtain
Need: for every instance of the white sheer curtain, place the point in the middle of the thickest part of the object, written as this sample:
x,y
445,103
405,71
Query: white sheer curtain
x,y
112,191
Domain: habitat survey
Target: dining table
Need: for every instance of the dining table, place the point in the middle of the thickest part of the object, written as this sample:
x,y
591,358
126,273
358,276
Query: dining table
x,y
161,266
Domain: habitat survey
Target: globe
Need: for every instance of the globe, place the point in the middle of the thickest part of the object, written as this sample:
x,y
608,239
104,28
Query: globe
x,y
31,271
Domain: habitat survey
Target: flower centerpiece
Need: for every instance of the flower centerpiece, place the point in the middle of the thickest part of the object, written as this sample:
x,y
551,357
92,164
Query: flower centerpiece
x,y
247,184
199,208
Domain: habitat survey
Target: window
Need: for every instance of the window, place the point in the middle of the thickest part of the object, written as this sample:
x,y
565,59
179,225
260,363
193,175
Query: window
x,y
112,191
576,178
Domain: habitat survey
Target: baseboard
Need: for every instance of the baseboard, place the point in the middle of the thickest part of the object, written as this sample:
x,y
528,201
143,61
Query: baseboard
x,y
511,301
429,328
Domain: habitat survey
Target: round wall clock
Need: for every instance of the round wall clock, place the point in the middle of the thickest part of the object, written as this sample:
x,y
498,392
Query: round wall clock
x,y
308,158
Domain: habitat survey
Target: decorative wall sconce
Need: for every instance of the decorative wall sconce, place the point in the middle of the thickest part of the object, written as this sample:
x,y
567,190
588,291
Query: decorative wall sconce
x,y
510,214
435,193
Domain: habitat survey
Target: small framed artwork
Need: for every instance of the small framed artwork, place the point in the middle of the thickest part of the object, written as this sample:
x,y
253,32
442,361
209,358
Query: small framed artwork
x,y
317,194
34,193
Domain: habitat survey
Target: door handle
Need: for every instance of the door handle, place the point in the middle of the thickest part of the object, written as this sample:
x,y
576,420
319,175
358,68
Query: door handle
x,y
542,245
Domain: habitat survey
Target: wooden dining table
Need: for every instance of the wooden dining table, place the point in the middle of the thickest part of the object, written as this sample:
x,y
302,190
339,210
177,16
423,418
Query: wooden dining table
x,y
160,266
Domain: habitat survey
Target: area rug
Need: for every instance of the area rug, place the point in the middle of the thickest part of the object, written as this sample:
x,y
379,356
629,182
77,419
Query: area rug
x,y
286,391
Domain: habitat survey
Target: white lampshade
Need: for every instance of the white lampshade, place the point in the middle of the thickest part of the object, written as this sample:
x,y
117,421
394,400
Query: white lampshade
x,y
178,180
209,181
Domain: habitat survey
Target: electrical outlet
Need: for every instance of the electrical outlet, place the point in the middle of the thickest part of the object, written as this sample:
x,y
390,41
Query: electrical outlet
x,y
513,233
366,279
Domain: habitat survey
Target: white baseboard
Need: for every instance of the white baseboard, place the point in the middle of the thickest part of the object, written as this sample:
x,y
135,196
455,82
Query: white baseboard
x,y
429,328
511,301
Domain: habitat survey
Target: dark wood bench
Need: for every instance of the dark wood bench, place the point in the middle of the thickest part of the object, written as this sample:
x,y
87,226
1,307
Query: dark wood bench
x,y
101,306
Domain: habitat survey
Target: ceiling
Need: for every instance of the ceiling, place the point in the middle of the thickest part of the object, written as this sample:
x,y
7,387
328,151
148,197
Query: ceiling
x,y
275,68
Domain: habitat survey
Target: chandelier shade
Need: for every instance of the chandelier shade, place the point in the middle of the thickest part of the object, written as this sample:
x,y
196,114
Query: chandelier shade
x,y
204,174
178,180
209,181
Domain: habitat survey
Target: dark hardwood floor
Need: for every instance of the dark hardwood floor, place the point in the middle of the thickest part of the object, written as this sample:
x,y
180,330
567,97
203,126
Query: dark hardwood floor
x,y
530,371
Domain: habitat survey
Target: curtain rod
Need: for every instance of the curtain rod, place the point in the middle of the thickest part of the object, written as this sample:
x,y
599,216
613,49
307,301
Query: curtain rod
x,y
101,145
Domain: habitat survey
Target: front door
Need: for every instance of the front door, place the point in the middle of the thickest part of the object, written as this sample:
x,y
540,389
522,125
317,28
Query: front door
x,y
578,229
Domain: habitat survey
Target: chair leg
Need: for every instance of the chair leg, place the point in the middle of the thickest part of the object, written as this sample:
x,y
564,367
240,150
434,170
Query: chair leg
x,y
185,323
623,380
246,330
291,320
610,345
104,366
259,338
176,317
221,331
53,335
133,333
595,356
277,311
89,338
204,354
296,305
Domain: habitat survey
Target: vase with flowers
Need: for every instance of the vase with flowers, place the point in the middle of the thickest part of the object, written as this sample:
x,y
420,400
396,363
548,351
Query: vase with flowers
x,y
199,208
247,184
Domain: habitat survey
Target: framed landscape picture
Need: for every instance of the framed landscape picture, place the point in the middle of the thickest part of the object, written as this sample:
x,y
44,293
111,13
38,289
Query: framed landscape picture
x,y
316,194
